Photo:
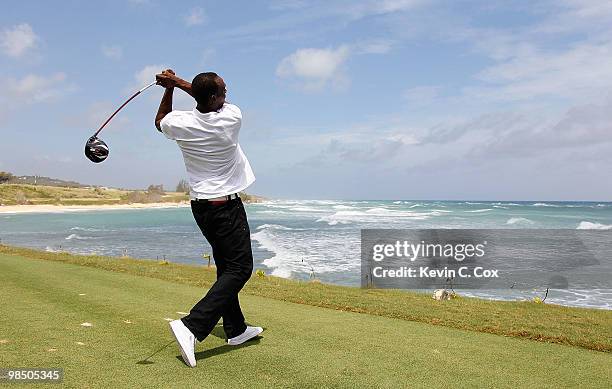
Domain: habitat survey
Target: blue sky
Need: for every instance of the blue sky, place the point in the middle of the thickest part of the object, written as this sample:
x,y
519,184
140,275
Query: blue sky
x,y
395,99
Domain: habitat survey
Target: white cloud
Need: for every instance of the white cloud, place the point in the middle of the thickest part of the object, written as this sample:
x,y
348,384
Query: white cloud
x,y
294,19
561,53
195,17
518,135
582,70
378,46
112,52
281,5
357,143
368,148
469,157
313,63
18,40
396,5
578,15
34,88
147,74
355,150
314,67
358,10
578,128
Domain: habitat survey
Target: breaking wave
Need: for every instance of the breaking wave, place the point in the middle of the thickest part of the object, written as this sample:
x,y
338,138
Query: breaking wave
x,y
519,220
584,225
78,237
274,227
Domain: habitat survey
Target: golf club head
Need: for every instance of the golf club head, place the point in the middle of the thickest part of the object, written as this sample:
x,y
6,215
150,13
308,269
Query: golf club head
x,y
96,150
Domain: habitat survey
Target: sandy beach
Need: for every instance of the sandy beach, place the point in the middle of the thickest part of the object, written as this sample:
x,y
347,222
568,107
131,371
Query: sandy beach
x,y
5,209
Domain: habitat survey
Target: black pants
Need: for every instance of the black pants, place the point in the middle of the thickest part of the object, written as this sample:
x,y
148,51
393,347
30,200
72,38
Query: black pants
x,y
227,230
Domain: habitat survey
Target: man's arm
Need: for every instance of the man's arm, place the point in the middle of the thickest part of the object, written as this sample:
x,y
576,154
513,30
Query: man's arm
x,y
165,107
184,85
169,80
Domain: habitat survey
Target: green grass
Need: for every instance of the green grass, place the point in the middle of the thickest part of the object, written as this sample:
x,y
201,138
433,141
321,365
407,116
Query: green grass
x,y
12,194
586,328
302,345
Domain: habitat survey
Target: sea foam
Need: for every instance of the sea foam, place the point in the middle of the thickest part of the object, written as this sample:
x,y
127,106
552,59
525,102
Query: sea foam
x,y
519,220
274,227
78,237
584,225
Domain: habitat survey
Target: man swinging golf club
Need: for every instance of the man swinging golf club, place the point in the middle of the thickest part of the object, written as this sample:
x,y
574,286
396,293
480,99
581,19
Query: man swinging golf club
x,y
217,170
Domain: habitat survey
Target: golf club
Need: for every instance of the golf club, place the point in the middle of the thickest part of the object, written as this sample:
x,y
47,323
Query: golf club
x,y
96,149
146,361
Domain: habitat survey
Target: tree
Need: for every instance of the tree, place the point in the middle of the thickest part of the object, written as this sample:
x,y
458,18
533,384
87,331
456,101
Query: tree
x,y
156,189
183,186
5,177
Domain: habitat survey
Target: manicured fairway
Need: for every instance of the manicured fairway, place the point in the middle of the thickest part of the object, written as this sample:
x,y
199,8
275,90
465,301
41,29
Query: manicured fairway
x,y
44,304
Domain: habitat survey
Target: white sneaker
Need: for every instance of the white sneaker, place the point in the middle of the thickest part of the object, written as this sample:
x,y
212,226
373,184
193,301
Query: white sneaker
x,y
249,333
186,341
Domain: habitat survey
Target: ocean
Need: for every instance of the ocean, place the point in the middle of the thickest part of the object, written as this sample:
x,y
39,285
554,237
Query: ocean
x,y
304,239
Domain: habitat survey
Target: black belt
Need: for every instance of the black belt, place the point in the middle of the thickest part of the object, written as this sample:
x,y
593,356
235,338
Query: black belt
x,y
218,200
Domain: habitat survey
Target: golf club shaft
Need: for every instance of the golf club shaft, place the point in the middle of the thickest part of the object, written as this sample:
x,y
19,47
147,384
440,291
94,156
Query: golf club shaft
x,y
123,105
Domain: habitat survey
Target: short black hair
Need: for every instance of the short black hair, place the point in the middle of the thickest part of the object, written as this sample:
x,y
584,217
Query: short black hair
x,y
205,85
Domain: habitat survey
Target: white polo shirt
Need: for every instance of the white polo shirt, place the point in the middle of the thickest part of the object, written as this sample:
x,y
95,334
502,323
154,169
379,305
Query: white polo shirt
x,y
215,163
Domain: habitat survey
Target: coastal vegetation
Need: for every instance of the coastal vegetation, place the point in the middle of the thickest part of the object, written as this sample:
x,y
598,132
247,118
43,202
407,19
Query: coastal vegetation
x,y
27,194
19,194
5,177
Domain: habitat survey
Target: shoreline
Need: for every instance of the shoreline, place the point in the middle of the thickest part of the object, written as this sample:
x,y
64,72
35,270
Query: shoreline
x,y
45,208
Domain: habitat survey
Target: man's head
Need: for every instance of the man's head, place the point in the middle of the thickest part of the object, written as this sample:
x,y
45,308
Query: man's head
x,y
209,90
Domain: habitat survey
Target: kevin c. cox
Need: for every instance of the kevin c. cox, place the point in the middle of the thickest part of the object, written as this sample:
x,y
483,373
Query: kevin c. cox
x,y
426,272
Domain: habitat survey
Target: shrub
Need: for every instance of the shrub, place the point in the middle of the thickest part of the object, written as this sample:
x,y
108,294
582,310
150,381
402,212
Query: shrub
x,y
143,197
5,177
157,189
154,197
20,198
137,197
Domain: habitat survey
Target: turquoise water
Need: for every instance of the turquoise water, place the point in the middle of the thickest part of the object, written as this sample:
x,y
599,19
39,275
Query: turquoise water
x,y
302,238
